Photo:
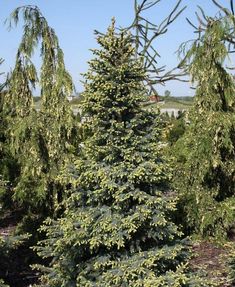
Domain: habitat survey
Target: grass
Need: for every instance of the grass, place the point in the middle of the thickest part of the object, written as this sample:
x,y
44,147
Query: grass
x,y
171,104
178,104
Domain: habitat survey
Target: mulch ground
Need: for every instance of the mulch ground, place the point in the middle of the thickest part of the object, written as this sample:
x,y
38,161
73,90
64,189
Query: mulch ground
x,y
15,270
209,258
212,259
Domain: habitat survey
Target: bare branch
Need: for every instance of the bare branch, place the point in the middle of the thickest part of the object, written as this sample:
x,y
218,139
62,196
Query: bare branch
x,y
151,5
232,6
190,23
144,33
225,10
203,24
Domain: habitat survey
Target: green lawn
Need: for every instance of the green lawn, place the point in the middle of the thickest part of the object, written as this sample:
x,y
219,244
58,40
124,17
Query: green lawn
x,y
169,104
180,105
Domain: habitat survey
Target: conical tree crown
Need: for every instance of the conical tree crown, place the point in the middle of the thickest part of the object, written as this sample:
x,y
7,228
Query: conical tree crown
x,y
117,230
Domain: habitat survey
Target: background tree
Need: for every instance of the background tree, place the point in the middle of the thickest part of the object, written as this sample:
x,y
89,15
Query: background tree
x,y
167,94
117,229
35,144
2,137
2,179
42,141
206,153
176,129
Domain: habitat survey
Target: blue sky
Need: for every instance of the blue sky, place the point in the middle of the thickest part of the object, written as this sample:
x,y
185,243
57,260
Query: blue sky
x,y
75,20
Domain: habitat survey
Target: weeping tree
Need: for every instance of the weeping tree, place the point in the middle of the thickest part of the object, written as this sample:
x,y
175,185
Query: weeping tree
x,y
8,168
2,125
117,228
2,84
34,145
206,153
17,108
225,13
1,132
2,140
40,141
8,165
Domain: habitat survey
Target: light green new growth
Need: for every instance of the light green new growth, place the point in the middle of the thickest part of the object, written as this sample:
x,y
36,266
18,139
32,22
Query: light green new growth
x,y
206,176
117,228
41,141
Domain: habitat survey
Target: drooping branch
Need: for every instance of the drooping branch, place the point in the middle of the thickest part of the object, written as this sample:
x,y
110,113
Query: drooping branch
x,y
49,138
222,8
224,13
1,73
224,20
54,77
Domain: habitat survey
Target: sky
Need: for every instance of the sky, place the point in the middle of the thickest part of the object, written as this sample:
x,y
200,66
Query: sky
x,y
74,22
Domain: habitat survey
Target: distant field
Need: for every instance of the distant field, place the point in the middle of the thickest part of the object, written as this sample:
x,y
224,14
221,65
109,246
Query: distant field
x,y
176,105
172,103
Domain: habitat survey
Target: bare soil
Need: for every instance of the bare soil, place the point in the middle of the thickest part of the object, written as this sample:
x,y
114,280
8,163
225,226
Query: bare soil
x,y
208,257
212,259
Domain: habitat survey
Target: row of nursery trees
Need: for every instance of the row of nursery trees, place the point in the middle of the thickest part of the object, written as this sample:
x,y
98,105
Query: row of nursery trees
x,y
106,202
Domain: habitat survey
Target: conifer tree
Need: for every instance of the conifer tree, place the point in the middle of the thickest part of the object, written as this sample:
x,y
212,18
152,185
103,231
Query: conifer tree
x,y
16,111
4,164
206,153
41,141
117,229
8,165
2,138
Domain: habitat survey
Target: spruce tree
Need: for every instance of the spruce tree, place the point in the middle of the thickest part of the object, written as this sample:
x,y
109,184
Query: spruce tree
x,y
41,141
8,165
37,142
2,137
117,228
2,163
17,108
206,153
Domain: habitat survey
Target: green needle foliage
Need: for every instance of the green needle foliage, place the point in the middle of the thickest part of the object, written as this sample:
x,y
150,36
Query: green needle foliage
x,y
117,228
17,114
40,141
206,152
2,137
8,165
2,162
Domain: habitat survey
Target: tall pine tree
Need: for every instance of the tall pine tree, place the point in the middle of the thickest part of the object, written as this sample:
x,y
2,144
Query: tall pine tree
x,y
117,229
